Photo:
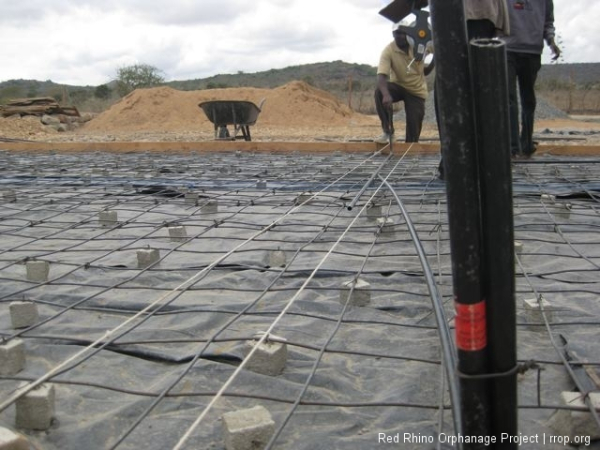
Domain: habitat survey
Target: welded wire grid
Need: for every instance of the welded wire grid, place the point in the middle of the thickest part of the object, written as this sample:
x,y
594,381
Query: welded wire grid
x,y
152,357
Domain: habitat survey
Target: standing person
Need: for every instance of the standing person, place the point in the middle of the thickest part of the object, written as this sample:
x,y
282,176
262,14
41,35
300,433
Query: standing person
x,y
400,77
486,19
531,23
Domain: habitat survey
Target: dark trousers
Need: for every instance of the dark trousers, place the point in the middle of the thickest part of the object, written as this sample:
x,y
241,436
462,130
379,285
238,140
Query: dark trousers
x,y
414,107
523,69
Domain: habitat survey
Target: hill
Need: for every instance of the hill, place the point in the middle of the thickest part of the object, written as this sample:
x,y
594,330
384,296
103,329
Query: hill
x,y
337,77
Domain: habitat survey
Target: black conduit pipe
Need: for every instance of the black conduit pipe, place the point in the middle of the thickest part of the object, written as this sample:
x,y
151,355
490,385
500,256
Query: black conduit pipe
x,y
490,82
448,349
369,181
458,141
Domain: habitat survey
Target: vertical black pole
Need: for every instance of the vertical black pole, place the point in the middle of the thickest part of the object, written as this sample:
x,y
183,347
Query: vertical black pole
x,y
458,140
488,62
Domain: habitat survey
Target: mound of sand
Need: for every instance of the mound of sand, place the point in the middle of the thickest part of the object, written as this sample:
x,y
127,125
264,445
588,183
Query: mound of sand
x,y
164,109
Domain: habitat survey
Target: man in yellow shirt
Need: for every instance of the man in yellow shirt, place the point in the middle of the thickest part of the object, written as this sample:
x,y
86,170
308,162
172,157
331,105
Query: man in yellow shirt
x,y
401,77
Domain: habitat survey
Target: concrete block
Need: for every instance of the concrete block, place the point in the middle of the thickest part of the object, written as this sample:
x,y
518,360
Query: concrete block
x,y
178,233
9,196
268,359
261,184
386,225
23,314
147,257
9,440
304,198
361,295
576,424
191,198
562,210
38,271
276,258
518,247
533,312
248,429
12,357
373,211
35,409
210,207
99,171
108,218
548,198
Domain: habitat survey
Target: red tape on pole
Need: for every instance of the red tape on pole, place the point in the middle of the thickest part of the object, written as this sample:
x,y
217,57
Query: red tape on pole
x,y
470,325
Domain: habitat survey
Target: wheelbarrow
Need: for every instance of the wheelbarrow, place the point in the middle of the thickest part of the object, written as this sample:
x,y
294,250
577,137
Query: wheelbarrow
x,y
239,113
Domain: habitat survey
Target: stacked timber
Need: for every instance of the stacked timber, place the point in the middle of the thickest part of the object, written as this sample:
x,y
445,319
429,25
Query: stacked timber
x,y
38,106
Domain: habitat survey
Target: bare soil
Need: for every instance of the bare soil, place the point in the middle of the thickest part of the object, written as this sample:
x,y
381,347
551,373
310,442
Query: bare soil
x,y
293,112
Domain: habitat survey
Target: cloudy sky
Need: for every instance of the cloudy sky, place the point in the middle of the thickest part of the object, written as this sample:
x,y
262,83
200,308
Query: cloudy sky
x,y
84,42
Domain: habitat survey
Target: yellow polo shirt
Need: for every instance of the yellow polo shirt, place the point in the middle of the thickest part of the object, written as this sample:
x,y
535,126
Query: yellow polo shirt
x,y
393,63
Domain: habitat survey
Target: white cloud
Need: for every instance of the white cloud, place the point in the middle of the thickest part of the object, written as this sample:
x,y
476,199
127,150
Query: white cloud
x,y
85,41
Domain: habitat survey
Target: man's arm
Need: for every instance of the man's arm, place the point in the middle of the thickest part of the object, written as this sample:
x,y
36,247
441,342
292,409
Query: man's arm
x,y
429,67
549,31
382,84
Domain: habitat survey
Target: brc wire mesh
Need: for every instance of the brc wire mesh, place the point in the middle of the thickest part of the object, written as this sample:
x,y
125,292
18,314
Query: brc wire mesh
x,y
138,353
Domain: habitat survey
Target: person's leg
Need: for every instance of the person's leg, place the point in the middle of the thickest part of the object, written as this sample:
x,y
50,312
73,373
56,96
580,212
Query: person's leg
x,y
530,67
513,102
415,112
382,111
386,117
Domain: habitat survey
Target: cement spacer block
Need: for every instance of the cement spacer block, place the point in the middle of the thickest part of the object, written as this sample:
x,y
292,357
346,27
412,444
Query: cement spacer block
x,y
23,314
35,409
191,198
12,357
147,257
9,440
548,198
248,429
387,225
518,247
276,258
304,198
9,196
268,359
562,210
178,233
38,271
361,296
108,218
210,207
373,211
533,312
576,423
261,184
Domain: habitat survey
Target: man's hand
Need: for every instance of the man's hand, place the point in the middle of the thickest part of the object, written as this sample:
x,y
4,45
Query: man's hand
x,y
555,50
387,100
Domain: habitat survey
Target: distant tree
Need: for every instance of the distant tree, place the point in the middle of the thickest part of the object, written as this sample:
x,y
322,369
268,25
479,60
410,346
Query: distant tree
x,y
32,92
9,93
79,96
137,76
213,85
308,80
102,92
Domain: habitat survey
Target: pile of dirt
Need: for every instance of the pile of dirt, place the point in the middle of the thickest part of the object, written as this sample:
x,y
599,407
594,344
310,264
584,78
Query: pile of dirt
x,y
164,109
26,128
